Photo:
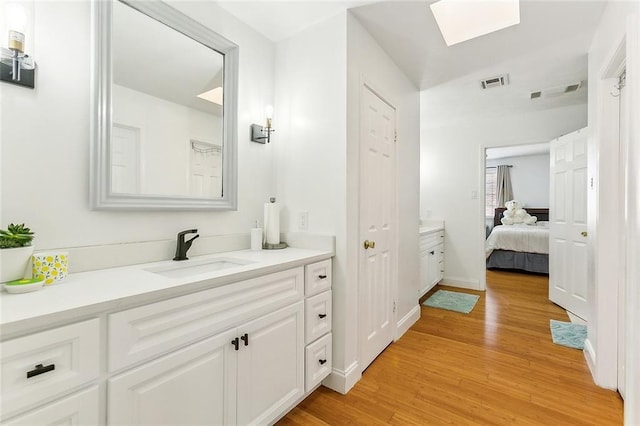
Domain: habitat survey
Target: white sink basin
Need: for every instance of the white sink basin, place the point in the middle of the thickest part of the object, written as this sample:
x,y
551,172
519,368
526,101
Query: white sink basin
x,y
193,267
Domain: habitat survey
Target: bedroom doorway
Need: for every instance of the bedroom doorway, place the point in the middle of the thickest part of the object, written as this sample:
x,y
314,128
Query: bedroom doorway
x,y
527,169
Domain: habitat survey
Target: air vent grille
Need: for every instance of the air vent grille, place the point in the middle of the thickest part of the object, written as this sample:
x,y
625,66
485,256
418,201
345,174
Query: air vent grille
x,y
554,92
572,87
500,80
536,95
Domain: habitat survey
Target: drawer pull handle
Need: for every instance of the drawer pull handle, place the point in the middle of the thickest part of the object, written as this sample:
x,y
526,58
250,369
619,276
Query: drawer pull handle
x,y
40,369
245,339
322,277
236,343
322,316
322,361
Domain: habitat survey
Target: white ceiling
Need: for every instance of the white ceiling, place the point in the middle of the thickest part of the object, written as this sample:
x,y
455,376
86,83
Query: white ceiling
x,y
547,49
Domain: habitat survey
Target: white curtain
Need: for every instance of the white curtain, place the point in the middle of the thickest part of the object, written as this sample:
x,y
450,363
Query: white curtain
x,y
504,190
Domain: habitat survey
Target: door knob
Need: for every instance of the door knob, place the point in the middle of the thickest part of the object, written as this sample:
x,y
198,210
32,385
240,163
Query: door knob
x,y
369,244
583,233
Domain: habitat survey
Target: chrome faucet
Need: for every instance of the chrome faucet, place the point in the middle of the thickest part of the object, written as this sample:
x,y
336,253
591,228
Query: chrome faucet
x,y
183,246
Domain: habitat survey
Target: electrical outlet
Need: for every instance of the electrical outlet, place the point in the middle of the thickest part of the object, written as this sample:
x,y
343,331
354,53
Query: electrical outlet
x,y
474,195
303,221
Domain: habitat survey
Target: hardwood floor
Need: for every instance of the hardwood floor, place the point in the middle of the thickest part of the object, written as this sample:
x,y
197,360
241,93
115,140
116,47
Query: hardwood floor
x,y
496,365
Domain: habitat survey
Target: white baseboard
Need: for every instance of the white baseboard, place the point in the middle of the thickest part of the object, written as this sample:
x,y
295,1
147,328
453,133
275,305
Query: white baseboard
x,y
342,381
590,356
460,283
407,321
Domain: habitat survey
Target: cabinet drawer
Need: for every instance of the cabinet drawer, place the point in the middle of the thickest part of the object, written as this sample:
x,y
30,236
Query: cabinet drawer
x,y
317,311
427,241
317,361
317,277
81,408
144,332
42,365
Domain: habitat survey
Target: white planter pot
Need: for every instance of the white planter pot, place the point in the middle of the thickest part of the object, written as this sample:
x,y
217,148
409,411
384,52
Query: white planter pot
x,y
14,263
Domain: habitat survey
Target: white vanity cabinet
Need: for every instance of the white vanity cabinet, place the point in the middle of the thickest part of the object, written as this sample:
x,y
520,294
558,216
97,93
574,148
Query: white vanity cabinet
x,y
431,259
240,353
318,317
212,382
41,367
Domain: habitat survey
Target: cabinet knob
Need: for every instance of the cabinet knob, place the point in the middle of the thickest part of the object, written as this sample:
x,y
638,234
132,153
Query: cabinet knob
x,y
322,316
584,233
245,339
322,361
369,244
432,252
236,343
322,277
40,369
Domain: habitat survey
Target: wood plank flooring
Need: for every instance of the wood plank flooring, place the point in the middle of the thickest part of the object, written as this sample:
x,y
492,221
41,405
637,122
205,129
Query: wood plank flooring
x,y
496,365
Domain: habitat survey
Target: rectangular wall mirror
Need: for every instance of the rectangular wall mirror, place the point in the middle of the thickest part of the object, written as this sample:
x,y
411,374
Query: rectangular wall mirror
x,y
165,111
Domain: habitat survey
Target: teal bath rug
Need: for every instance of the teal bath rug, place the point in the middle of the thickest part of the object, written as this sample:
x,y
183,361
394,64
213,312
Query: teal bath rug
x,y
452,301
568,334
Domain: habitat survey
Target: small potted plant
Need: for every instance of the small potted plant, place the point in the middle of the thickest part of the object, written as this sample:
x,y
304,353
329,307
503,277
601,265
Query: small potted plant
x,y
15,252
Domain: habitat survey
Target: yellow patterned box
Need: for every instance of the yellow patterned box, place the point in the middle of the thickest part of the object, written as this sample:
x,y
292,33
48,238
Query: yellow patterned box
x,y
50,266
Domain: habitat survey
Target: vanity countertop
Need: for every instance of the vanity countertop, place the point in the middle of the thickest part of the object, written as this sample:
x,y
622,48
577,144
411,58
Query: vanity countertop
x,y
429,229
93,292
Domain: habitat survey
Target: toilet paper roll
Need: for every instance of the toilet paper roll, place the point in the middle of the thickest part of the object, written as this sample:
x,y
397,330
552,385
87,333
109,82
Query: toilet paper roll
x,y
272,223
50,266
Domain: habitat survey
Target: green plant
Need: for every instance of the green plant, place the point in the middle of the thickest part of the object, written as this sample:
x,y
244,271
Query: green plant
x,y
15,236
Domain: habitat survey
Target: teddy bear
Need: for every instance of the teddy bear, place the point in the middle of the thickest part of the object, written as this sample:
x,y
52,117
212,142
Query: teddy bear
x,y
516,214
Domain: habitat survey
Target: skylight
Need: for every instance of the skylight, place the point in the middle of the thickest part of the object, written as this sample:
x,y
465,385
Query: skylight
x,y
213,95
462,20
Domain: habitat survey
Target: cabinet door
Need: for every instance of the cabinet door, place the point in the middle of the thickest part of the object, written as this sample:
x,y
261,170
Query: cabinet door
x,y
434,266
425,279
79,409
192,386
271,365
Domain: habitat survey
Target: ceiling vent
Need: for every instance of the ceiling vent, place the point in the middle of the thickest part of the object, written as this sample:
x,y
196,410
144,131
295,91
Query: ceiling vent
x,y
501,80
554,92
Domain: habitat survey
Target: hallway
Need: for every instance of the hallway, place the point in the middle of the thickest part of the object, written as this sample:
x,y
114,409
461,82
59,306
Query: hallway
x,y
496,365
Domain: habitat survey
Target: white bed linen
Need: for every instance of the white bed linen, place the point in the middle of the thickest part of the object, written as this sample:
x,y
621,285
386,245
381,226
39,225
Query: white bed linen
x,y
523,238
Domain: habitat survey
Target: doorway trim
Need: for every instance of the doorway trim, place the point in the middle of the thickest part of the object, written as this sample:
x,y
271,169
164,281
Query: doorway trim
x,y
482,259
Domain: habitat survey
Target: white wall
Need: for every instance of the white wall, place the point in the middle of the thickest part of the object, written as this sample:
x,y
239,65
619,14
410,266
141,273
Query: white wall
x,y
317,160
529,178
450,169
310,142
45,137
603,202
166,131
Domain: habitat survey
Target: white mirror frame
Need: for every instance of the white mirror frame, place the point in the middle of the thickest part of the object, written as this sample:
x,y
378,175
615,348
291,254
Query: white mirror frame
x,y
101,115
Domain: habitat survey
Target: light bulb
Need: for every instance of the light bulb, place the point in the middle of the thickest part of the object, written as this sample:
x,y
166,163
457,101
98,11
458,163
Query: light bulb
x,y
16,18
268,112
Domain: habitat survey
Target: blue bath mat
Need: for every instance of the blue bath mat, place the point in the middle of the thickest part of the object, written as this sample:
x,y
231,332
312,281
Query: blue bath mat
x,y
452,301
568,334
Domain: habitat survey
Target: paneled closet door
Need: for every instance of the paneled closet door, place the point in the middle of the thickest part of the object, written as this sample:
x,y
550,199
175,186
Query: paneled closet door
x,y
377,224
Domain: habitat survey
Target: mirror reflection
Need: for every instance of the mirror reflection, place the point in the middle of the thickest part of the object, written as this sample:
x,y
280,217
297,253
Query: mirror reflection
x,y
167,110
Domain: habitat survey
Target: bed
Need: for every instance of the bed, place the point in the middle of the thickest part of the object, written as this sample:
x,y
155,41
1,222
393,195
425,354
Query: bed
x,y
521,247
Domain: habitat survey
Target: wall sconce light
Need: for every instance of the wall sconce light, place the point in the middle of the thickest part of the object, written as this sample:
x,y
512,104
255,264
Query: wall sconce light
x,y
16,67
262,134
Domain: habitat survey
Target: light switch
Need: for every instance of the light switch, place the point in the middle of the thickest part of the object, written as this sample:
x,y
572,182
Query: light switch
x,y
474,195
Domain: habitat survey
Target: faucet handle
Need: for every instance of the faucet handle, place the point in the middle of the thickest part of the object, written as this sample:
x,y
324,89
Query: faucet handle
x,y
188,231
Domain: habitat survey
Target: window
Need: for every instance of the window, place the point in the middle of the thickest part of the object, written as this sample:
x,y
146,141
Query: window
x,y
491,191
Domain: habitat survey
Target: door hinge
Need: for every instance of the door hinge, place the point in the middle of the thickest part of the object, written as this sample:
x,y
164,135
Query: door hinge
x,y
394,306
395,136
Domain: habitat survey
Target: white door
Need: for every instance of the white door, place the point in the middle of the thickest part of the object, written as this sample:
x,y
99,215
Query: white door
x,y
377,226
193,386
125,159
568,223
206,170
270,365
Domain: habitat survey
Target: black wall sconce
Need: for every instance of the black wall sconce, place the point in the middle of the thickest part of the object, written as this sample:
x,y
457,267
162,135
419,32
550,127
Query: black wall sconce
x,y
16,67
262,134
